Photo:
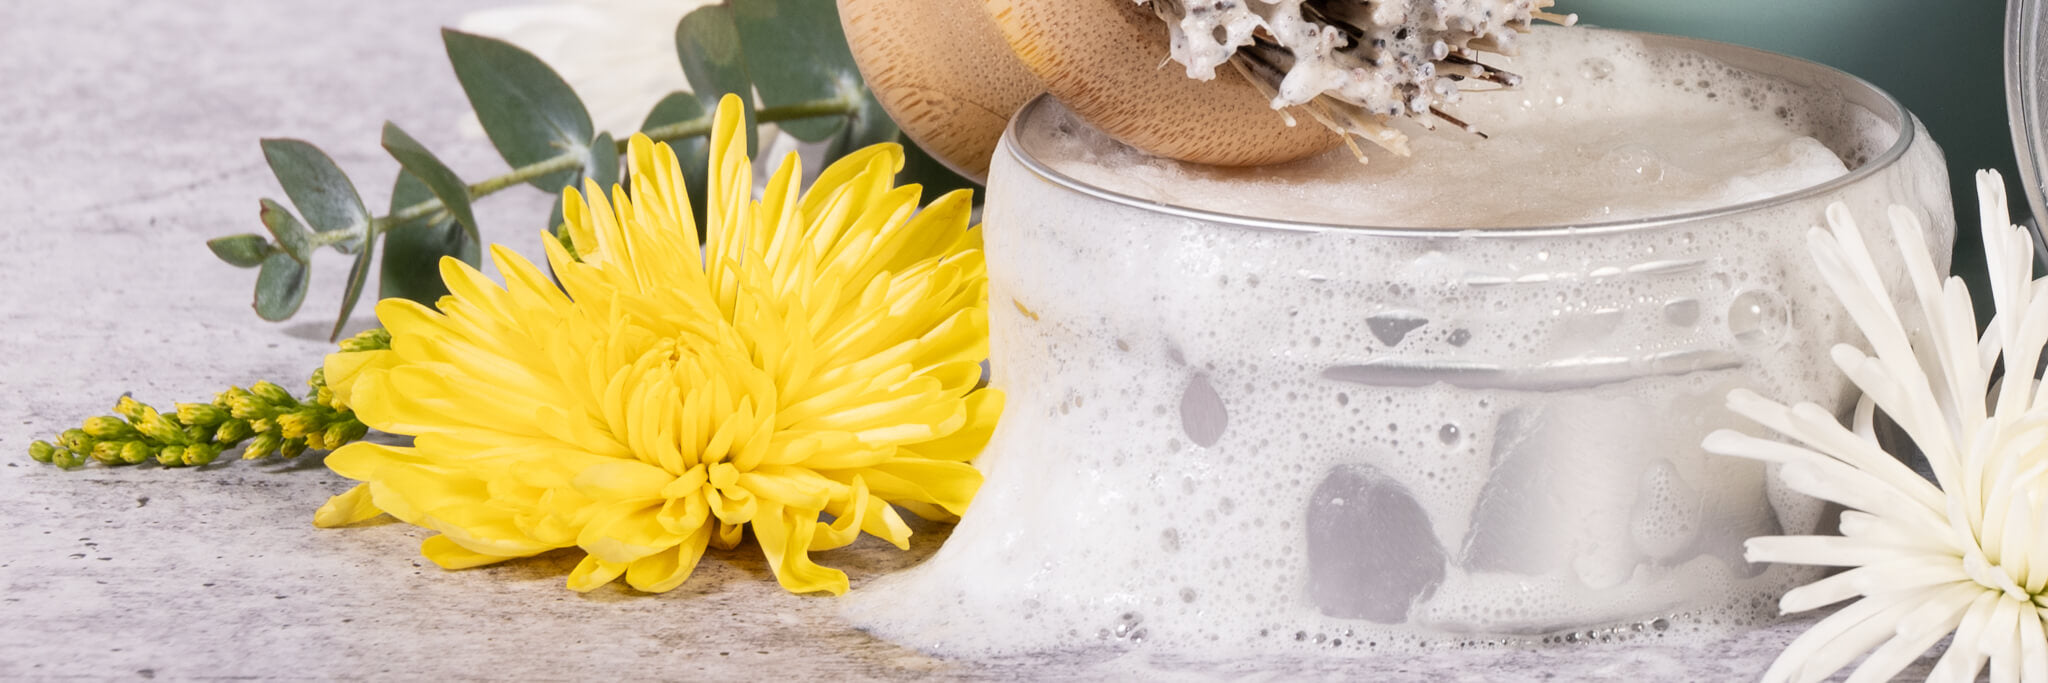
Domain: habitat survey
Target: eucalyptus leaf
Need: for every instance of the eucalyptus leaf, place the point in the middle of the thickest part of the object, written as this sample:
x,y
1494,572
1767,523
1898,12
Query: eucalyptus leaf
x,y
708,43
796,52
529,112
921,168
280,287
603,164
412,251
292,236
869,125
358,275
318,188
241,251
690,152
422,164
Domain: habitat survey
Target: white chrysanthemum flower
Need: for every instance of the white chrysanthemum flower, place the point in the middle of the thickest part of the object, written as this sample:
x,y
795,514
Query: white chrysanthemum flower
x,y
1965,554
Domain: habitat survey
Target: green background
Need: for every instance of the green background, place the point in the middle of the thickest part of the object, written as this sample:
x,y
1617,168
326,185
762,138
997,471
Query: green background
x,y
1945,60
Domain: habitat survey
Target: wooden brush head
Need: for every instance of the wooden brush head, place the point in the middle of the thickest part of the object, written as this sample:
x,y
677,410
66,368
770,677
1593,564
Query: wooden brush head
x,y
951,72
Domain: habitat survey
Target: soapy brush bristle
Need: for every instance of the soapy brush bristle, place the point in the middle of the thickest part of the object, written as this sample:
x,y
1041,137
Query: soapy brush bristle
x,y
1356,66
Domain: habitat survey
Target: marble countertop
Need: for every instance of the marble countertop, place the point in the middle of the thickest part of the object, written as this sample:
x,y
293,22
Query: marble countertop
x,y
130,136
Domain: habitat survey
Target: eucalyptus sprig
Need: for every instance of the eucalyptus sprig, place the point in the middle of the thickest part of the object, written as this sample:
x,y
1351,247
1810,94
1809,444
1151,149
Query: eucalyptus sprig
x,y
787,59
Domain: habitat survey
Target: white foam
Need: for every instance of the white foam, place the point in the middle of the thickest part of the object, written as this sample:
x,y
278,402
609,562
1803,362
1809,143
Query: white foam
x,y
1599,131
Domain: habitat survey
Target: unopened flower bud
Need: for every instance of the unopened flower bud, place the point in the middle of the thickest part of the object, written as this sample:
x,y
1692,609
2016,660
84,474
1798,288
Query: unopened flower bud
x,y
200,454
292,448
42,451
171,456
128,408
67,458
367,340
201,414
136,452
108,451
295,424
75,439
108,427
273,394
157,427
345,431
232,430
262,445
245,406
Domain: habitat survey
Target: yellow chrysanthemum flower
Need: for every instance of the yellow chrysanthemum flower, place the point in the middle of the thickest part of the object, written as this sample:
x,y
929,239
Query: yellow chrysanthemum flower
x,y
819,353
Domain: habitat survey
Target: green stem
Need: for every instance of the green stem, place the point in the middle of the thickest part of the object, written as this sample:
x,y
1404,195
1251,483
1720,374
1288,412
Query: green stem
x,y
697,127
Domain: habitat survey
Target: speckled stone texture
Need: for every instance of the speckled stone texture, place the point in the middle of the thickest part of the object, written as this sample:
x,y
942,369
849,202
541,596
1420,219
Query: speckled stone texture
x,y
129,134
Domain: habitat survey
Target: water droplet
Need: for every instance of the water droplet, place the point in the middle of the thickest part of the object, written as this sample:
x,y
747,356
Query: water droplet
x,y
1596,68
1449,434
1459,337
1758,317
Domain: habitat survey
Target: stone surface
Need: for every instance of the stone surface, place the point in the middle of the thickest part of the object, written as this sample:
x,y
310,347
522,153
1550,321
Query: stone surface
x,y
129,131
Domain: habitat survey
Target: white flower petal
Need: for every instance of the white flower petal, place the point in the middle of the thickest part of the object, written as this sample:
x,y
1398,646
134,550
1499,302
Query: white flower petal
x,y
2033,644
1964,659
1823,551
1917,632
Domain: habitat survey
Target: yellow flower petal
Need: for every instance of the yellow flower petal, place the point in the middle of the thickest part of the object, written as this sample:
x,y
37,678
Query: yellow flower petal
x,y
665,570
347,508
342,369
626,531
593,572
785,539
450,555
983,409
622,479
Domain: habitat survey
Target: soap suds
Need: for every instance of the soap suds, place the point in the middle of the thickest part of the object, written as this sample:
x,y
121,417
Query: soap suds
x,y
1599,131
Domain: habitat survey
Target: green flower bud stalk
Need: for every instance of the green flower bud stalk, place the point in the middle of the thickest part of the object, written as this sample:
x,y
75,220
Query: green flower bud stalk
x,y
264,417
